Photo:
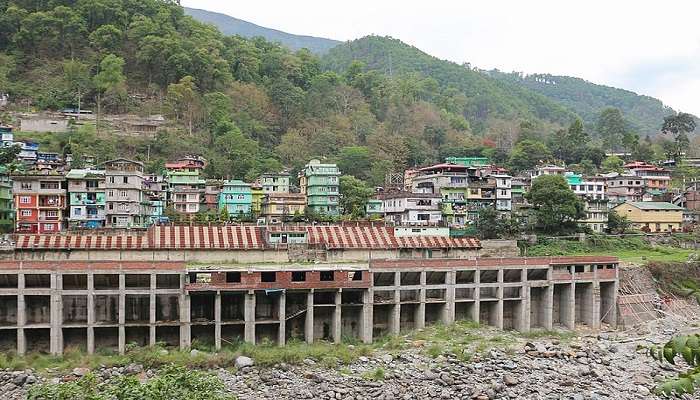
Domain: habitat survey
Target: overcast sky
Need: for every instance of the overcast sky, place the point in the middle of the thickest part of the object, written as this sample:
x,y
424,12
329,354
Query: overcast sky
x,y
649,47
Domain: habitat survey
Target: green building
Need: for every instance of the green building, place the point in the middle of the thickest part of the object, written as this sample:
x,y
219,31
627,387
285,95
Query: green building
x,y
374,209
7,213
237,198
320,183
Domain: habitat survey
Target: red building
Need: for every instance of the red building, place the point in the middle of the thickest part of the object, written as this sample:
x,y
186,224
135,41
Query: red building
x,y
40,201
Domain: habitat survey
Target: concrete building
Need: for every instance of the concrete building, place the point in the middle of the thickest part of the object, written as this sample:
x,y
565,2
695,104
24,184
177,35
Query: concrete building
x,y
504,195
124,180
435,178
547,170
626,188
374,209
275,183
40,201
282,207
7,138
186,186
404,208
7,209
320,183
72,301
655,178
597,212
212,192
652,216
593,192
469,161
237,198
86,198
155,195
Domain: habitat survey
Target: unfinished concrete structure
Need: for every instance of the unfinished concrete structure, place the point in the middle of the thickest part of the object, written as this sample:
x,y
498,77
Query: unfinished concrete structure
x,y
222,285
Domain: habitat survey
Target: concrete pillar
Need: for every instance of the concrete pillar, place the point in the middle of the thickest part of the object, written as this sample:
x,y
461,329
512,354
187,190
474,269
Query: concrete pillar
x,y
366,322
90,313
122,313
21,316
499,304
477,296
56,313
449,312
249,315
337,317
548,308
217,320
395,317
152,312
527,308
282,312
595,306
309,323
568,306
184,303
420,309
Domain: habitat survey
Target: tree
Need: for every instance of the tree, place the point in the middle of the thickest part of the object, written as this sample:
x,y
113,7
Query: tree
x,y
529,153
489,224
685,347
618,223
611,128
679,125
183,101
355,161
78,80
557,208
612,164
8,155
353,196
109,78
570,145
224,214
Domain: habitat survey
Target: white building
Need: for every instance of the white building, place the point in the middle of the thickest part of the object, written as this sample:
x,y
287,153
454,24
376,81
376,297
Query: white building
x,y
404,208
504,194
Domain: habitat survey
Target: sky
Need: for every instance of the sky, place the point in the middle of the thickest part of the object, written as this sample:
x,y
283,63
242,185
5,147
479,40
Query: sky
x,y
649,47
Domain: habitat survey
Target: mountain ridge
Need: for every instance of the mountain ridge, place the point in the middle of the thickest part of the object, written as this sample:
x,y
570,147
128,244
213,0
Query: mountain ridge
x,y
229,25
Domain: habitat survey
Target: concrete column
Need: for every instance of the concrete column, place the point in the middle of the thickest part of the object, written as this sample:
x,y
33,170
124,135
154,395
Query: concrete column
x,y
499,304
476,310
526,306
449,312
395,317
21,316
184,303
217,320
56,314
568,306
420,309
90,313
122,313
309,323
249,312
366,322
595,306
282,312
548,308
152,312
337,317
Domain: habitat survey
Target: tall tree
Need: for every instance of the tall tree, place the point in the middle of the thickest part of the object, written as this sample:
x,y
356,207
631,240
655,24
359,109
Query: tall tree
x,y
611,128
77,78
679,125
183,101
109,78
528,153
353,196
557,208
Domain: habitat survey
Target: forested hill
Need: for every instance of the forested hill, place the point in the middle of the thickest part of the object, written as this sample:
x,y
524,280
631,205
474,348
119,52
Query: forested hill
x,y
487,98
644,113
234,26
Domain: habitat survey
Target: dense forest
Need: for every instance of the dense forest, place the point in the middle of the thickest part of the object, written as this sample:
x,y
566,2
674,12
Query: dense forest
x,y
248,105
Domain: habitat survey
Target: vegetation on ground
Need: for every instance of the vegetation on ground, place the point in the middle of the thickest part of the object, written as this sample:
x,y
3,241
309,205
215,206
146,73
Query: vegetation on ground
x,y
684,349
628,249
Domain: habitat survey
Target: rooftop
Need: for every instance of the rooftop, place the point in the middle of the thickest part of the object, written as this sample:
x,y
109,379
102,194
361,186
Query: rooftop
x,y
655,205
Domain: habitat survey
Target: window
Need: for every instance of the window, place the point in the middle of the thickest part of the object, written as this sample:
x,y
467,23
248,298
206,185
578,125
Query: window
x,y
26,213
233,277
76,211
110,206
110,193
504,192
52,213
111,179
122,193
24,199
327,276
126,179
298,276
268,276
48,227
26,185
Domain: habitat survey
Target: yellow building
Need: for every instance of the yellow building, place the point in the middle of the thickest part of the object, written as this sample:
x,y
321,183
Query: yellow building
x,y
282,207
258,195
652,216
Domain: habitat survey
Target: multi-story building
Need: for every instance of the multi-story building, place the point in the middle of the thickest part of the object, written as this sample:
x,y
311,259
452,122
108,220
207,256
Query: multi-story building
x,y
237,198
374,209
625,188
547,170
7,209
86,193
7,138
481,194
282,207
28,153
504,194
652,216
155,194
320,183
40,200
186,186
124,194
404,208
257,194
592,191
212,190
434,178
518,189
275,183
656,179
597,212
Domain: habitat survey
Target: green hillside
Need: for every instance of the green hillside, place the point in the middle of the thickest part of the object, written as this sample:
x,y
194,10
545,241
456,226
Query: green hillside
x,y
587,99
234,26
487,97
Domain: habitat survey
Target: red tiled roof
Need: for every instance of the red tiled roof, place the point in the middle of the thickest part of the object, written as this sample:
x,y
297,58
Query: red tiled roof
x,y
236,237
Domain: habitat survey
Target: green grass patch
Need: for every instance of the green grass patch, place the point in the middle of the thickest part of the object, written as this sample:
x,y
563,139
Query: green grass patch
x,y
377,374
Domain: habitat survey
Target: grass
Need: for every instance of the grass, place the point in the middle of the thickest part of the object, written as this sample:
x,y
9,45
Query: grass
x,y
631,250
377,374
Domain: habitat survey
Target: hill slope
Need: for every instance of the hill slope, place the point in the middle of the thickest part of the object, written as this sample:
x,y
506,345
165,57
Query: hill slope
x,y
644,113
234,26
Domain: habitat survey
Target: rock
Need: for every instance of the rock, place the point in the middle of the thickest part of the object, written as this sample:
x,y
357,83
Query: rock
x,y
510,380
80,372
643,390
243,361
194,352
133,369
387,358
19,379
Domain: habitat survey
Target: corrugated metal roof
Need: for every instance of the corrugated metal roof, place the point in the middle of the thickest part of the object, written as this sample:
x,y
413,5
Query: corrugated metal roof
x,y
655,205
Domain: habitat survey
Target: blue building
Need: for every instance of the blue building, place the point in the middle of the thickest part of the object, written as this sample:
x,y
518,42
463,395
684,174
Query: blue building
x,y
237,197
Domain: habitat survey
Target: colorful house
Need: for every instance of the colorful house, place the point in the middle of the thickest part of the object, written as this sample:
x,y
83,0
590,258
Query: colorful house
x,y
40,201
320,183
7,211
86,198
468,161
237,197
258,195
282,207
186,186
275,182
652,216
